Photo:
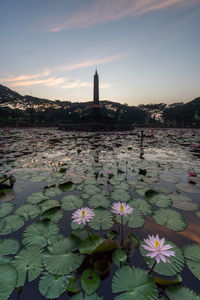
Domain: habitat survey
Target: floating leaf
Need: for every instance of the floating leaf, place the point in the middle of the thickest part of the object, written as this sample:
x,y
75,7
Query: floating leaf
x,y
52,286
59,259
120,195
52,192
142,191
160,200
5,209
53,215
183,202
27,211
90,281
101,220
136,219
80,296
99,200
91,189
135,283
167,282
119,257
49,204
167,269
192,255
40,234
90,244
8,246
36,198
71,202
106,245
172,219
28,260
66,186
188,188
11,224
142,205
77,180
180,293
8,279
74,285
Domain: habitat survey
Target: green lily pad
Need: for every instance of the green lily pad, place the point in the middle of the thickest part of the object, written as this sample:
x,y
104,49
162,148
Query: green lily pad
x,y
49,204
5,209
8,246
8,279
120,195
27,211
136,219
183,202
172,219
134,283
11,224
52,192
119,257
80,296
40,234
166,269
188,188
160,200
99,200
90,244
142,191
29,261
52,286
142,205
36,198
71,202
91,189
90,281
77,180
101,220
181,293
53,215
192,255
59,259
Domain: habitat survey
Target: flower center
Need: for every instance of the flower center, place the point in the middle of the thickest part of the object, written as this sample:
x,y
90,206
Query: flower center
x,y
156,244
83,213
121,207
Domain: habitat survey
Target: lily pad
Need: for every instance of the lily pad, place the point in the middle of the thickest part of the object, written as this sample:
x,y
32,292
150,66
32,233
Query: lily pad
x,y
101,220
59,259
52,192
36,198
172,219
183,202
181,293
29,261
136,219
134,283
142,205
11,224
53,215
192,255
99,200
5,209
71,202
80,296
27,211
90,244
120,195
188,188
40,234
90,281
8,246
52,286
8,279
91,189
49,204
160,200
119,257
166,269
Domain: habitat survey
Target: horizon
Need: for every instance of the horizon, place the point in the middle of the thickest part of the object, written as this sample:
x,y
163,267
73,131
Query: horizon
x,y
145,51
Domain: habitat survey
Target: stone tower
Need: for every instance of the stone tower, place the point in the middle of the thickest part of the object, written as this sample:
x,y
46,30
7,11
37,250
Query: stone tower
x,y
96,89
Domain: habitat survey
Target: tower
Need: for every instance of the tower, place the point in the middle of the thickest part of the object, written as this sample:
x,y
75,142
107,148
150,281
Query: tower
x,y
96,89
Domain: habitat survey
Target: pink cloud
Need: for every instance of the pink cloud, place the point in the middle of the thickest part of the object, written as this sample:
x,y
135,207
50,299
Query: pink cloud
x,y
102,11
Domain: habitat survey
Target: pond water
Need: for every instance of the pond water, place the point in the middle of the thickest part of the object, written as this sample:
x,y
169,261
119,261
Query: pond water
x,y
46,174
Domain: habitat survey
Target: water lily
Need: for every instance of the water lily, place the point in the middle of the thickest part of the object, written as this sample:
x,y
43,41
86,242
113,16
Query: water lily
x,y
83,215
121,209
193,174
158,250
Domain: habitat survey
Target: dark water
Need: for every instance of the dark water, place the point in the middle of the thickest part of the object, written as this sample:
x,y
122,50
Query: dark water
x,y
37,155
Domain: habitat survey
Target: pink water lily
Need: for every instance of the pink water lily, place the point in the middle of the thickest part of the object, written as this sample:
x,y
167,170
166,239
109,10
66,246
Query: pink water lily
x,y
83,215
121,209
158,249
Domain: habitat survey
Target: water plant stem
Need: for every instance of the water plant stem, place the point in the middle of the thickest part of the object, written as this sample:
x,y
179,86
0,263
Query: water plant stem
x,y
152,267
86,227
122,231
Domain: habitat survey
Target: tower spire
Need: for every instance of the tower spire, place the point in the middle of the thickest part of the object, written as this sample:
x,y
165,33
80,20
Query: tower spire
x,y
96,88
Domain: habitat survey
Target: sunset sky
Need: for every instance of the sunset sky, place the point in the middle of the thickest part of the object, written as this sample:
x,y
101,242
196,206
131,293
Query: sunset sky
x,y
145,51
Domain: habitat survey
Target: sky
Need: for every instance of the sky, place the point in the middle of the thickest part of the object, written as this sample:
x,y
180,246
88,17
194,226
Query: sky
x,y
145,51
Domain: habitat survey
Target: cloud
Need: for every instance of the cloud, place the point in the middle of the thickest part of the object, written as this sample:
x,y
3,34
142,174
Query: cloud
x,y
12,78
52,81
93,62
103,11
79,84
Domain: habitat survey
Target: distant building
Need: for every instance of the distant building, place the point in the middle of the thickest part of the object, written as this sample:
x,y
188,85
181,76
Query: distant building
x,y
96,104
